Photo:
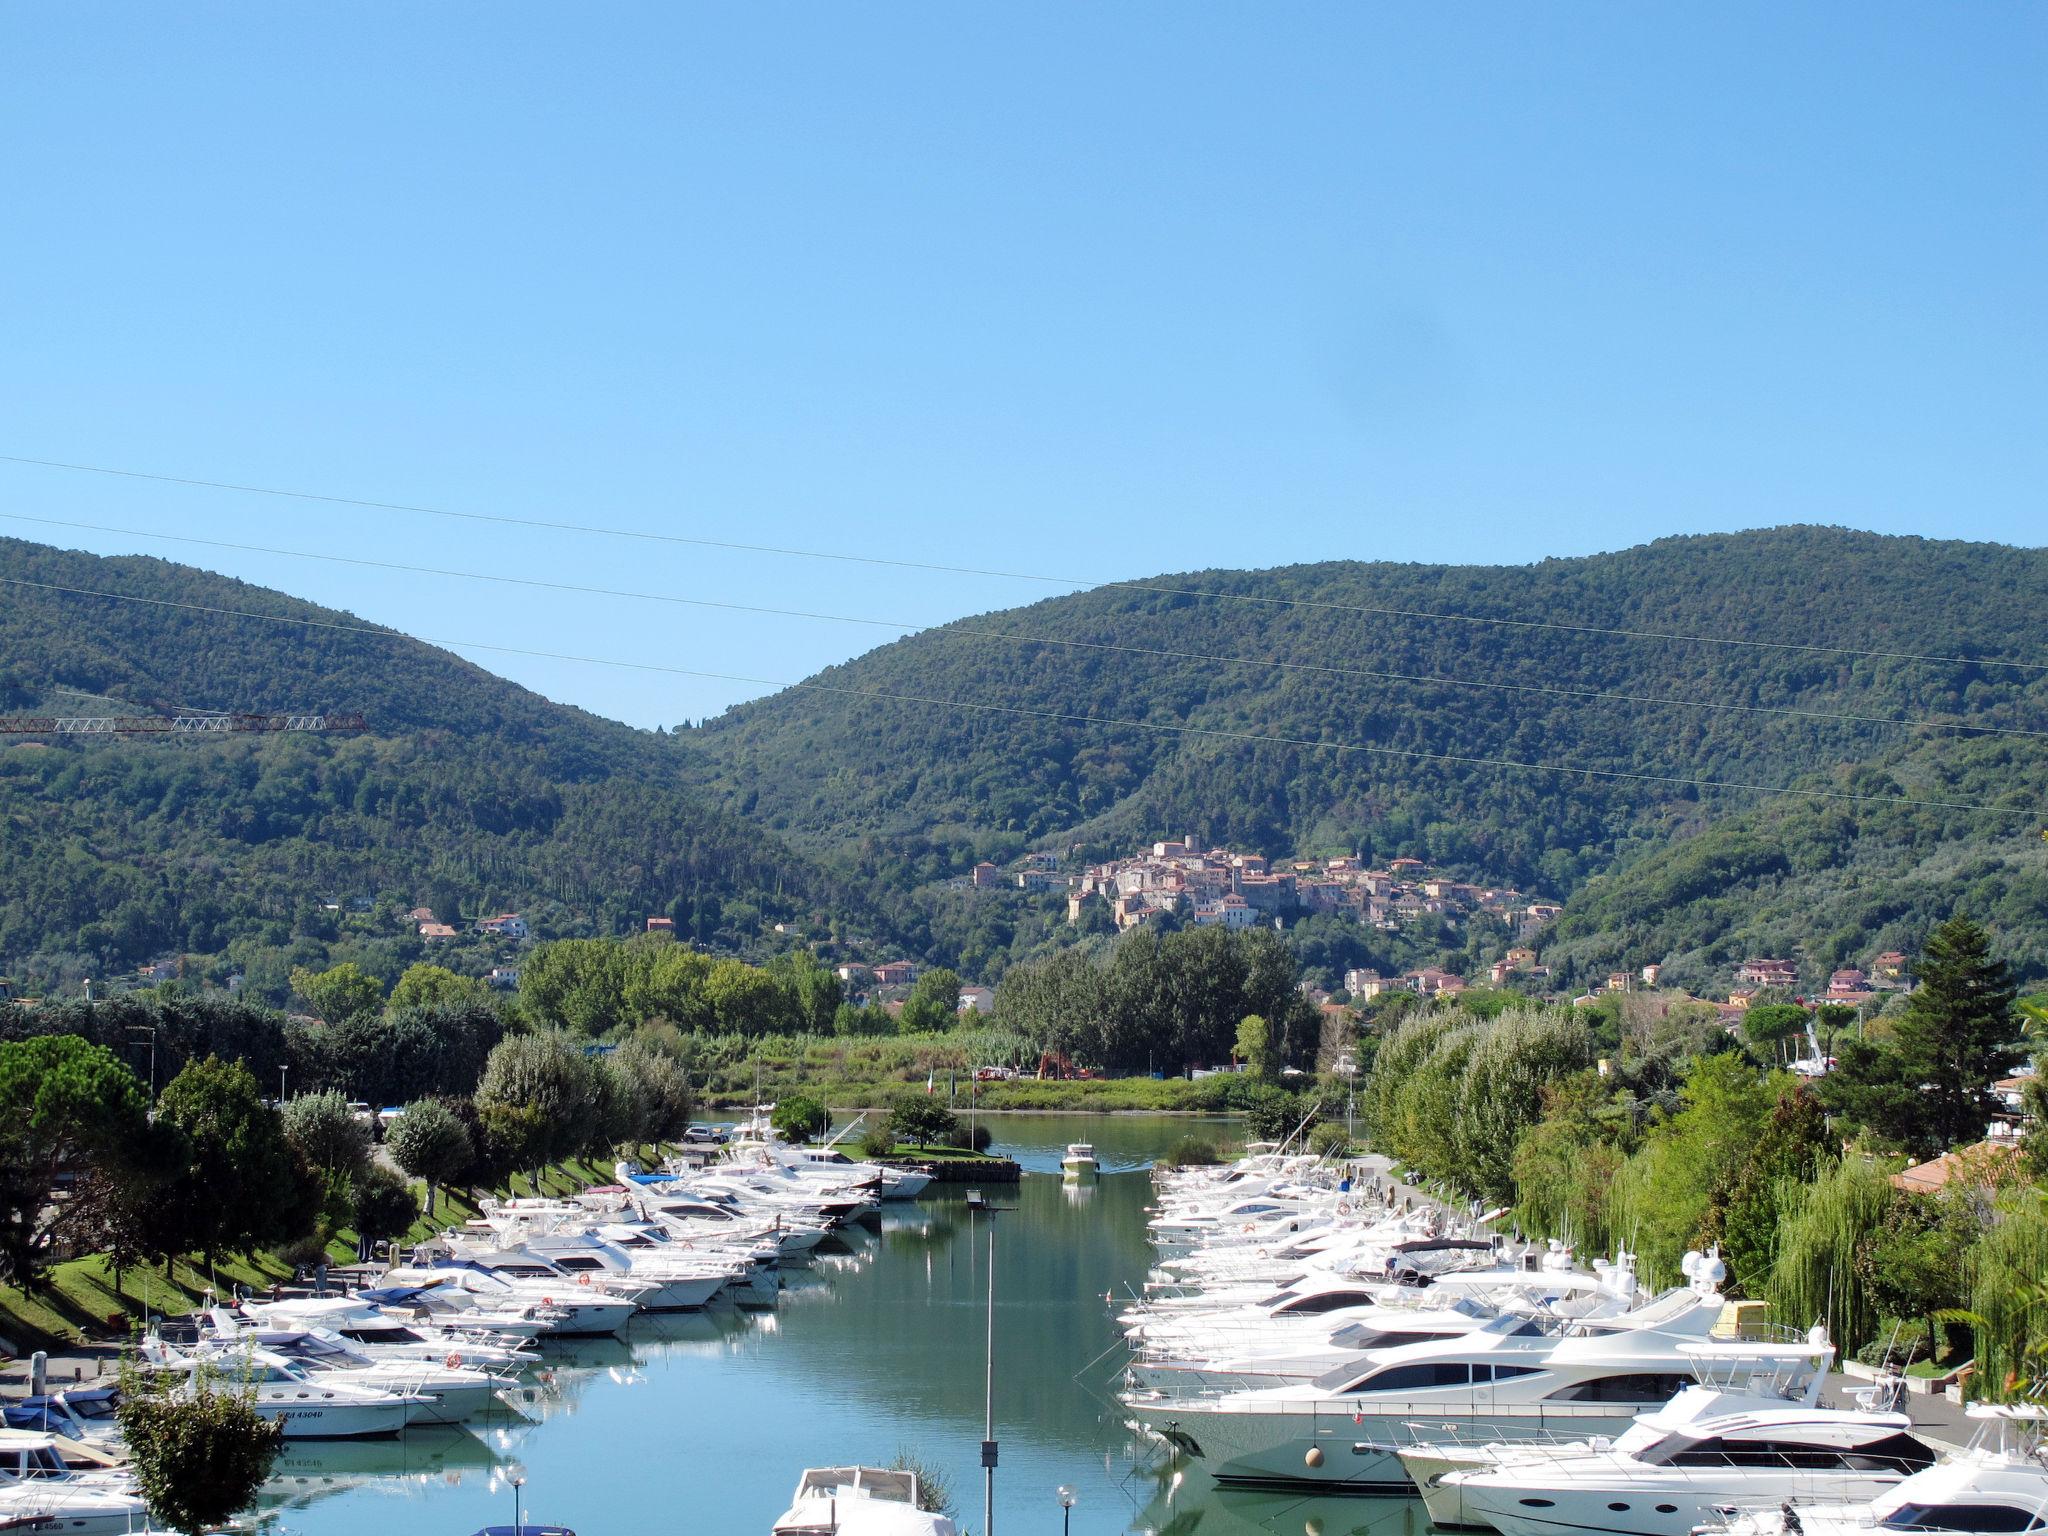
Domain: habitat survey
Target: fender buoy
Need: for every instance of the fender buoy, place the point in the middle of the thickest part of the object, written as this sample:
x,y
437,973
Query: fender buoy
x,y
454,1362
583,1279
547,1301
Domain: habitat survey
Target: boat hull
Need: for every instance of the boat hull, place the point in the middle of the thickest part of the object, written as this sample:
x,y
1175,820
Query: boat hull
x,y
1354,1453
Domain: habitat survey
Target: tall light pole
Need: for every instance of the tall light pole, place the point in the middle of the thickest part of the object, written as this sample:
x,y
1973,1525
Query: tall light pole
x,y
518,1482
1066,1510
280,1083
988,1426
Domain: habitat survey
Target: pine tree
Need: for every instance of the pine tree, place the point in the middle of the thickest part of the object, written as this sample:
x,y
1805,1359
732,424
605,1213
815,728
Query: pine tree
x,y
1955,1038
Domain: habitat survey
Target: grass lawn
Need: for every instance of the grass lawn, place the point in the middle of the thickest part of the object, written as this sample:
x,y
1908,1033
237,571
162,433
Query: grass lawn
x,y
80,1304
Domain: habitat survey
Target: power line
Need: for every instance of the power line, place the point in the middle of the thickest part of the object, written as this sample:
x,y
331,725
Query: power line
x,y
1020,711
1087,582
959,629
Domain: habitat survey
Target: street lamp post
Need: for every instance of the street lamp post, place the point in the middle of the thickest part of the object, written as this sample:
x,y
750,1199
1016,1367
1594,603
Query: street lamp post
x,y
518,1524
1066,1510
280,1082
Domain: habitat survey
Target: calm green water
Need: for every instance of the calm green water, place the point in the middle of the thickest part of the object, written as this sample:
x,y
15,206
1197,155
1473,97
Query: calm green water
x,y
702,1423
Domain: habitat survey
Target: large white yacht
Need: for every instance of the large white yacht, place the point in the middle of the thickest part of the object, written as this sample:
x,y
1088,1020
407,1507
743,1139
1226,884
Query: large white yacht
x,y
1997,1484
859,1501
554,1307
1516,1378
1671,1469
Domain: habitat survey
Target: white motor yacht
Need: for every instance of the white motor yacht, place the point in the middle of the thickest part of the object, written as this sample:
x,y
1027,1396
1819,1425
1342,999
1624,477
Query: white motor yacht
x,y
556,1307
38,1489
304,1405
1517,1378
859,1501
1671,1469
1079,1161
381,1321
1996,1484
455,1392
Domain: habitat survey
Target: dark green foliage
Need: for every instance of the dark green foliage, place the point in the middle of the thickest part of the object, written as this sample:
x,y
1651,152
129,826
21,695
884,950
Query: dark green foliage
x,y
902,798
1768,1023
800,1118
1915,1264
921,1121
238,1181
199,1450
384,1205
1743,1219
469,793
67,1107
1191,1152
1161,1001
1929,1087
1274,1114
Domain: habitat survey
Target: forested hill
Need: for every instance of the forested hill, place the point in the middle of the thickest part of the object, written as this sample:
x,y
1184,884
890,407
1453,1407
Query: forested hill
x,y
467,791
905,792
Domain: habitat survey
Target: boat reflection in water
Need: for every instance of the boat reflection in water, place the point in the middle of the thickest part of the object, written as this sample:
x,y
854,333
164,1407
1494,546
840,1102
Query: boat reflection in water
x,y
308,1471
1190,1504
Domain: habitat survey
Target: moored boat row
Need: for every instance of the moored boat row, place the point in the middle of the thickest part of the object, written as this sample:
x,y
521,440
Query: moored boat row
x,y
1305,1332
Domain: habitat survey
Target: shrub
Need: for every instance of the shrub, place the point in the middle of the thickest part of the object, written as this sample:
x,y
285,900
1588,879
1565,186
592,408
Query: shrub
x,y
876,1143
199,1451
1329,1140
1191,1152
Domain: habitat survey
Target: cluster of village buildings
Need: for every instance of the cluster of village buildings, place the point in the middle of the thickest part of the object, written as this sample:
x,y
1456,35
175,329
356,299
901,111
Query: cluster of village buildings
x,y
1242,890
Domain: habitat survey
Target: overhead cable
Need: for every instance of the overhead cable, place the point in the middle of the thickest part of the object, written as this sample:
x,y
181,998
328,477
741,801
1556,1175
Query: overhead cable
x,y
963,628
1255,738
1075,582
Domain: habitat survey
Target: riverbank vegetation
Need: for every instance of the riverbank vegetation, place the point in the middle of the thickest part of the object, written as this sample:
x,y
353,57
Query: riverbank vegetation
x,y
1659,1131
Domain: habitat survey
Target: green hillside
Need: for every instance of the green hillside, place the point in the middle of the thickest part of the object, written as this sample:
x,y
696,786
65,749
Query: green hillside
x,y
1830,883
901,794
467,792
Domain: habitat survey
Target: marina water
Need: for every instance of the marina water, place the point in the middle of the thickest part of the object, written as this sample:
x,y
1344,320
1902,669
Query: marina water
x,y
701,1423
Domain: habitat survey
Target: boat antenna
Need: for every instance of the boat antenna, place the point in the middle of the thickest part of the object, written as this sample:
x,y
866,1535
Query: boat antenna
x,y
988,1421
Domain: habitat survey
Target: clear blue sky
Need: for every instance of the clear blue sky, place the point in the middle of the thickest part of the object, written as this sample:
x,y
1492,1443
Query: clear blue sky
x,y
1103,290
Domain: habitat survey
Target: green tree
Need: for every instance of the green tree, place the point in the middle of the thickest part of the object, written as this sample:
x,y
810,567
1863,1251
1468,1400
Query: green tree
x,y
384,1207
1795,1146
813,992
330,1140
921,1121
240,1182
1915,1263
1768,1023
575,984
1274,1114
1667,1189
1955,1037
933,1005
664,1083
430,1143
1500,1095
1567,1162
65,1106
199,1449
552,1091
1255,1046
745,1001
435,986
800,1118
339,994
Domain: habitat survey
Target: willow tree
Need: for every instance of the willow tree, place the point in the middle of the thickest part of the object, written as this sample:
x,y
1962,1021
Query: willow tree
x,y
1821,1228
2008,1299
1500,1095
